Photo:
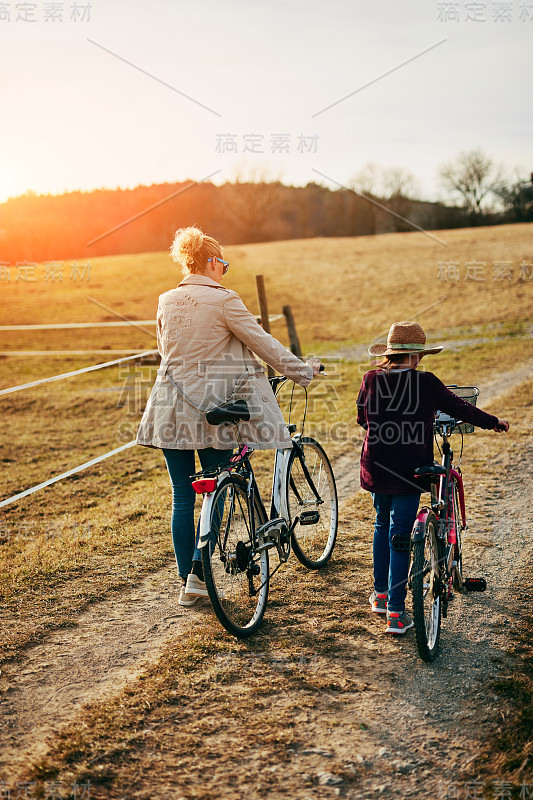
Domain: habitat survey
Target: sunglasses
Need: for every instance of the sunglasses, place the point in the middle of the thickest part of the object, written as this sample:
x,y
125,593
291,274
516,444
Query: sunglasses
x,y
225,264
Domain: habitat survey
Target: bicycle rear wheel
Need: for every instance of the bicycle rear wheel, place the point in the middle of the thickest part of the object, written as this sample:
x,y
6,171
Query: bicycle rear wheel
x,y
236,575
315,533
426,587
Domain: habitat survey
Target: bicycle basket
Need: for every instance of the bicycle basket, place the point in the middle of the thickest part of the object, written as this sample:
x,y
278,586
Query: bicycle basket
x,y
470,394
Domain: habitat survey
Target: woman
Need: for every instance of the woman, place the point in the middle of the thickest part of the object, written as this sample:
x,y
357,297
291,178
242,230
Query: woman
x,y
396,406
206,337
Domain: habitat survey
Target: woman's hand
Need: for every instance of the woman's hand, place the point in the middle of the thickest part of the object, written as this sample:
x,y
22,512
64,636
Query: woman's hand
x,y
316,365
502,425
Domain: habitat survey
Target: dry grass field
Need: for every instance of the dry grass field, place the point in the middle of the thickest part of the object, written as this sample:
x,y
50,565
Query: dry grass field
x,y
95,535
340,290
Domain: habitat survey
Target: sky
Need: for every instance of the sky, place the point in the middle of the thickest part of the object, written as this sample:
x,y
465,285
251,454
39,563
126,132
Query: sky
x,y
125,92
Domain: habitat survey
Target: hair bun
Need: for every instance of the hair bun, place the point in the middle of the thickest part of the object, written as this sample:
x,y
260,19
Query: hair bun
x,y
187,243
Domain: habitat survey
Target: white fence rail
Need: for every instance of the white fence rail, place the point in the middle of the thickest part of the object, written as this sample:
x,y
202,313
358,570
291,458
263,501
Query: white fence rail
x,y
73,471
69,325
75,372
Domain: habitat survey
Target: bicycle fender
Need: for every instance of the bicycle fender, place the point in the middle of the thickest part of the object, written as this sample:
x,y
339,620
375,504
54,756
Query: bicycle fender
x,y
279,504
419,528
459,478
205,516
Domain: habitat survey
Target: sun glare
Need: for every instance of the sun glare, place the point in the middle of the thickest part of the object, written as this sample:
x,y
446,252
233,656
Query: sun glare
x,y
10,184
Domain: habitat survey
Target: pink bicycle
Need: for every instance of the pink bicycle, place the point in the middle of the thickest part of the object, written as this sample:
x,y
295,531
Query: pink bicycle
x,y
437,536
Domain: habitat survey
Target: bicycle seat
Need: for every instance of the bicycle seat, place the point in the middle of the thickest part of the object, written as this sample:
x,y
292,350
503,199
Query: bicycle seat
x,y
430,471
228,412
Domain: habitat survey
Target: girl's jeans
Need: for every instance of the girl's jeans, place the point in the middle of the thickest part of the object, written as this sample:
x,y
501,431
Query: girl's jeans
x,y
395,516
180,465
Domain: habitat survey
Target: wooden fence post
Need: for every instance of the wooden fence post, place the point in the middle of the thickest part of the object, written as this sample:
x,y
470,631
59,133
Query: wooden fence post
x,y
293,336
263,310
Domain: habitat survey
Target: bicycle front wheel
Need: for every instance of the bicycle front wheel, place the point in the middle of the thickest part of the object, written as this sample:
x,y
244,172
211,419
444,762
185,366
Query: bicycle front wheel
x,y
236,575
426,586
311,496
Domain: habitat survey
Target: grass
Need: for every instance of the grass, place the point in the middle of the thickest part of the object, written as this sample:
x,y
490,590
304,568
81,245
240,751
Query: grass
x,y
368,281
513,744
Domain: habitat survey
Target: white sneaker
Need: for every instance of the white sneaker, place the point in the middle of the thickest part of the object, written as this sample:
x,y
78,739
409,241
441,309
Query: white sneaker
x,y
186,599
195,587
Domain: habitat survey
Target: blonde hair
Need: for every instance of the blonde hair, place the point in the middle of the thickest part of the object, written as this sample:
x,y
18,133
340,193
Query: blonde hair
x,y
191,248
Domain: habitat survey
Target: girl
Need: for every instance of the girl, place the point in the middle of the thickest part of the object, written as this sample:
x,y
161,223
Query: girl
x,y
396,406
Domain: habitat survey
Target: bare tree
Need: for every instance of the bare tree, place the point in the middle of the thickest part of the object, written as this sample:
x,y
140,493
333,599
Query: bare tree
x,y
394,187
474,177
367,180
400,188
366,185
516,195
399,182
252,205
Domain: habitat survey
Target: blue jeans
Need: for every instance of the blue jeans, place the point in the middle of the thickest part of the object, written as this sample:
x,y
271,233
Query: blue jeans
x,y
395,516
180,465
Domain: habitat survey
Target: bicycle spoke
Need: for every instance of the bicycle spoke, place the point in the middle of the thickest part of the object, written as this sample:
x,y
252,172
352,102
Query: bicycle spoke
x,y
315,517
236,575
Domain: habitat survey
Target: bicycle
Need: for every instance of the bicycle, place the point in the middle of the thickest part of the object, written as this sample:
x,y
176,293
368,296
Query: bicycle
x,y
437,536
236,535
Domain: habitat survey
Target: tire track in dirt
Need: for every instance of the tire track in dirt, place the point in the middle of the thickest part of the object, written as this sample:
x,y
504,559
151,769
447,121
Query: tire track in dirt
x,y
112,642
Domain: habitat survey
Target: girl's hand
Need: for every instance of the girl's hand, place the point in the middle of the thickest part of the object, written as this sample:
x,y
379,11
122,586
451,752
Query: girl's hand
x,y
502,425
316,364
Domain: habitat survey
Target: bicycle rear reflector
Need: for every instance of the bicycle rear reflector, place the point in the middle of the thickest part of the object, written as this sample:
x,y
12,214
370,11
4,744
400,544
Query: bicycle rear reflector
x,y
309,517
475,584
204,485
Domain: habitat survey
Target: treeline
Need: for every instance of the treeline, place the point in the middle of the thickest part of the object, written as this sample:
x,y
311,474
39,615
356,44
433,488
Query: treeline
x,y
144,219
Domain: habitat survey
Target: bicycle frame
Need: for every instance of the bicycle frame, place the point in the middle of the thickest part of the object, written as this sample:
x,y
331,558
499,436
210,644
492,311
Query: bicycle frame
x,y
278,509
443,506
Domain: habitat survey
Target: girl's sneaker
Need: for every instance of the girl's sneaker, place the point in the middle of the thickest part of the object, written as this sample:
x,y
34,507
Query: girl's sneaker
x,y
398,622
378,602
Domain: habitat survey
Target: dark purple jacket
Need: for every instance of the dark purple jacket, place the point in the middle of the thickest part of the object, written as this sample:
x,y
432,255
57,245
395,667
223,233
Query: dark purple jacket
x,y
397,409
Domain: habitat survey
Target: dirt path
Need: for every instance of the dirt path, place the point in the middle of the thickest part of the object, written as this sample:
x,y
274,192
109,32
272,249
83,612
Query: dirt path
x,y
433,731
423,730
107,647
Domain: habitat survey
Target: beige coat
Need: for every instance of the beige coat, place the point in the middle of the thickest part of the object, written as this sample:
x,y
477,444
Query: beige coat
x,y
207,337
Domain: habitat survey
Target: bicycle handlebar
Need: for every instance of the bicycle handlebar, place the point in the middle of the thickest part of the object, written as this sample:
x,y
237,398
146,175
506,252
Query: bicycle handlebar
x,y
277,380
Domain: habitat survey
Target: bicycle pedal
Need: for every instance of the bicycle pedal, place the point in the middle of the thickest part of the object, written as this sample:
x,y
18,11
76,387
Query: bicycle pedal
x,y
309,517
475,584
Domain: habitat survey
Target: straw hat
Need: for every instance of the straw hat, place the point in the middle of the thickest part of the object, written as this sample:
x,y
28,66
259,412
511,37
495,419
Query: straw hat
x,y
404,338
